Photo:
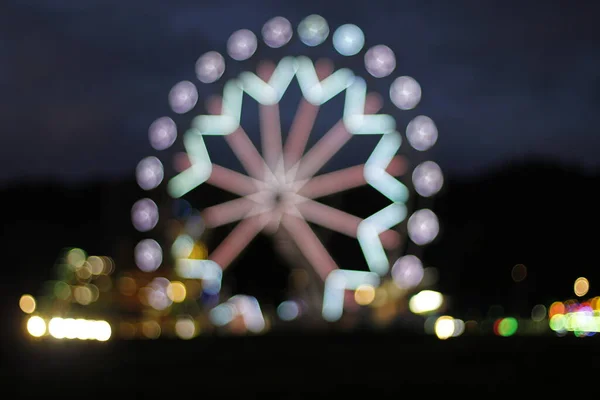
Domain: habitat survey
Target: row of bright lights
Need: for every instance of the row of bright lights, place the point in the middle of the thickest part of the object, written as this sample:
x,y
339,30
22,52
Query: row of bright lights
x,y
69,328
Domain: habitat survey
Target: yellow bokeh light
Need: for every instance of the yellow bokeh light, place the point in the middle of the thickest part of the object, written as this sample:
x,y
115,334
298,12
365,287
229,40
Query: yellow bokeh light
x,y
381,297
185,328
127,286
82,329
444,327
364,295
151,329
96,264
581,287
83,295
176,292
199,252
84,272
36,326
76,258
426,301
27,303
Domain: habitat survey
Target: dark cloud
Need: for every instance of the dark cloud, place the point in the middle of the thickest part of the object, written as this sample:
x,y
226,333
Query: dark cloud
x,y
503,79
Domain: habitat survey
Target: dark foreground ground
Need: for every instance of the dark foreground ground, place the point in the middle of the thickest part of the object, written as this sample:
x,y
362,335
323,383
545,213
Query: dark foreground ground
x,y
304,366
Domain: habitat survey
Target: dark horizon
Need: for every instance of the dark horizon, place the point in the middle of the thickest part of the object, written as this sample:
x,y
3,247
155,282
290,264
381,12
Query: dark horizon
x,y
488,226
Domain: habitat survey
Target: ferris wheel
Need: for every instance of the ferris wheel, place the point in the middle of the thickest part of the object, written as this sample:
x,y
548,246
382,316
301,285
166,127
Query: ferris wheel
x,y
282,181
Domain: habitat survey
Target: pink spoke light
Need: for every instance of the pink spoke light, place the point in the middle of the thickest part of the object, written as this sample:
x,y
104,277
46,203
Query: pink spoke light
x,y
340,221
236,241
225,213
232,181
310,245
345,179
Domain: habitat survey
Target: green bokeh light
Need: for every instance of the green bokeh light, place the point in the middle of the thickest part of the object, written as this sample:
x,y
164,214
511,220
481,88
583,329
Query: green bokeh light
x,y
508,327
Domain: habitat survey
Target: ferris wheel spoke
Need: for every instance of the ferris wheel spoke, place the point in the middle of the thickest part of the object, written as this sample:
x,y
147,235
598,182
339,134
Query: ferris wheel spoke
x,y
299,132
310,245
246,153
270,130
236,241
331,143
345,179
230,211
232,181
322,151
341,222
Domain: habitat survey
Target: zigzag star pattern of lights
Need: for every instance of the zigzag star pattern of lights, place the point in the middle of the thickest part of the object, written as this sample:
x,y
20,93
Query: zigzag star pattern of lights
x,y
281,186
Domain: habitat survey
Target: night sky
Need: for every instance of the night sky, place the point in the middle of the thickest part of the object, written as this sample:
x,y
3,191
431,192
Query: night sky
x,y
82,80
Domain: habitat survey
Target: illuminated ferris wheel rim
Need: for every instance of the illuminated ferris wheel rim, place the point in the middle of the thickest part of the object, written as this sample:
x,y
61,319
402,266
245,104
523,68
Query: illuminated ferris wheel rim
x,y
267,87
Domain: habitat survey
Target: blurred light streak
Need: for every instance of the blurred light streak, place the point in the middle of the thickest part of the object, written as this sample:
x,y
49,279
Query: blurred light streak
x,y
340,221
375,169
345,179
82,329
336,283
237,240
426,301
368,235
310,245
244,149
299,133
359,110
230,211
198,269
232,181
245,306
270,129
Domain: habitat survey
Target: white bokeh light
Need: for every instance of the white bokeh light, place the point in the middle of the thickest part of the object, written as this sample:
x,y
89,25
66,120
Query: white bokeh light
x,y
380,61
427,178
148,255
210,67
242,44
348,40
407,272
421,133
423,227
277,32
288,310
405,93
162,133
144,215
149,173
157,296
183,97
313,30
